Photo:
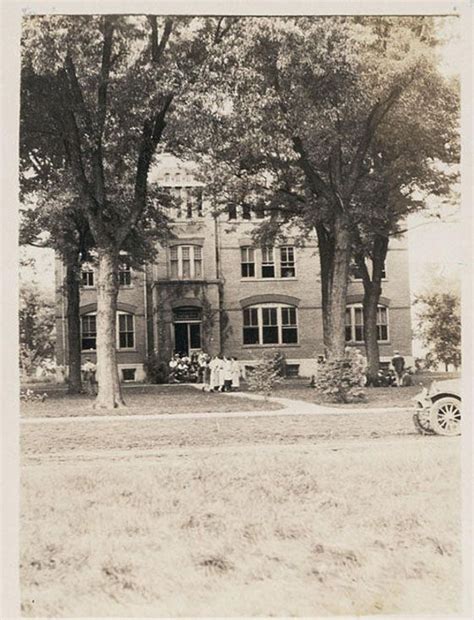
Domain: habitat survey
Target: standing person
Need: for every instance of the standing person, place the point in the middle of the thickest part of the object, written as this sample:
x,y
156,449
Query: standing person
x,y
398,363
227,373
173,365
88,374
220,372
235,374
214,365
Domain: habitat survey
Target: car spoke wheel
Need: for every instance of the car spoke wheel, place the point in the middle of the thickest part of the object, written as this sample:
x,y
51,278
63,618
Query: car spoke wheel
x,y
421,419
445,416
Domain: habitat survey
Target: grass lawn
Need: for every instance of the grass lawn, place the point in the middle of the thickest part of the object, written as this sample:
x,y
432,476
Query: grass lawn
x,y
278,516
143,400
376,397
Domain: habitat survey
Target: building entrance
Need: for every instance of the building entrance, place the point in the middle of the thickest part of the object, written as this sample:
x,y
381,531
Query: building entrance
x,y
187,330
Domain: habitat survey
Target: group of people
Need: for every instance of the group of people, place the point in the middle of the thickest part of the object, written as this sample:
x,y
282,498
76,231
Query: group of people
x,y
217,373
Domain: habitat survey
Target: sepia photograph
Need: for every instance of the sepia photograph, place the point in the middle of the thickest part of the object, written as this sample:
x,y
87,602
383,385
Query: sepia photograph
x,y
241,245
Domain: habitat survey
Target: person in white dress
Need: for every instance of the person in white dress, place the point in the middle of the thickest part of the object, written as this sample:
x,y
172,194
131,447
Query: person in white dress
x,y
235,373
214,366
227,372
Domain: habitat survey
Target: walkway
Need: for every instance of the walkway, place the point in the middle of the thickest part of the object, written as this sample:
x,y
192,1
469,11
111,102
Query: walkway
x,y
289,408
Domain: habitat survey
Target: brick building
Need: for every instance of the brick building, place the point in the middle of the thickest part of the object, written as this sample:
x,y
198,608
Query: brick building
x,y
210,288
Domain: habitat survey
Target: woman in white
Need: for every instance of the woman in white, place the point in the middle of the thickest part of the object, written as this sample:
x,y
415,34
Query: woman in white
x,y
235,373
227,371
214,366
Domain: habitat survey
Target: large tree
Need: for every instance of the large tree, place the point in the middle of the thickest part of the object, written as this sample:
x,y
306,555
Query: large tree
x,y
304,103
439,326
119,85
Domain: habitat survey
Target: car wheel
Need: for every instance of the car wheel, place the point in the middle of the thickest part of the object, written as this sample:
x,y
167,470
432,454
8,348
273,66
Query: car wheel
x,y
445,416
421,420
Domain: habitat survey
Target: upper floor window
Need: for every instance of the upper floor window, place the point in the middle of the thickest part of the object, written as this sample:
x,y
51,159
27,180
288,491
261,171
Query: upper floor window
x,y
188,202
232,211
268,267
185,262
355,323
124,275
87,276
287,262
246,211
268,263
247,262
270,324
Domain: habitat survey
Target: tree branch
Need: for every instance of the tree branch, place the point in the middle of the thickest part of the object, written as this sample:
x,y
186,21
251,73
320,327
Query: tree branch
x,y
377,114
158,47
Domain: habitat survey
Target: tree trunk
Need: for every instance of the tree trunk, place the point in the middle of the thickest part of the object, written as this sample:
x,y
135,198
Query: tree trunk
x,y
109,393
326,256
372,292
73,325
337,289
370,303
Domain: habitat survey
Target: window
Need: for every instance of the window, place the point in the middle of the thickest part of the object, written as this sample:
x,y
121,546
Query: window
x,y
126,331
88,332
193,202
287,262
269,324
185,262
382,323
187,201
246,211
247,262
251,330
124,275
128,374
87,277
268,263
259,210
355,323
232,211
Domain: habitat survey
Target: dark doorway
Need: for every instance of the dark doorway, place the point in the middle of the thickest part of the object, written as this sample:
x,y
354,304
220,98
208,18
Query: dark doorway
x,y
181,339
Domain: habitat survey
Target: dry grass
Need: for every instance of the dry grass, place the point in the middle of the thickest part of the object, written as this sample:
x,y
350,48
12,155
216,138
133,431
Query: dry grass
x,y
125,527
143,400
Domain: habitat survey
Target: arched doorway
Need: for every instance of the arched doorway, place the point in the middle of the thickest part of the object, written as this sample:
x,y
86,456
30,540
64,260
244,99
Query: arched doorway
x,y
187,329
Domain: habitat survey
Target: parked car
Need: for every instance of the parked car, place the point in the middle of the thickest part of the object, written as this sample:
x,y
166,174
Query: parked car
x,y
438,408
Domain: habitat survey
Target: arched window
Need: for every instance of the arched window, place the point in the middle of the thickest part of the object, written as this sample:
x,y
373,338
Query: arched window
x,y
270,324
355,323
186,262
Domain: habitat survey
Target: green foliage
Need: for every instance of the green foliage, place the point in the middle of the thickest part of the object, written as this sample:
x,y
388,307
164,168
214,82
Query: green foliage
x,y
156,370
340,380
279,363
30,396
37,326
264,375
439,327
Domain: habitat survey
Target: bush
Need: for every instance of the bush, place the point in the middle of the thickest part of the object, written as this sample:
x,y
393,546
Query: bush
x,y
340,380
29,396
263,376
156,370
279,363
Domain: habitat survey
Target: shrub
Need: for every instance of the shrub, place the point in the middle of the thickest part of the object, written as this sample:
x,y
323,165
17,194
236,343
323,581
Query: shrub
x,y
263,376
29,396
156,370
279,363
340,380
